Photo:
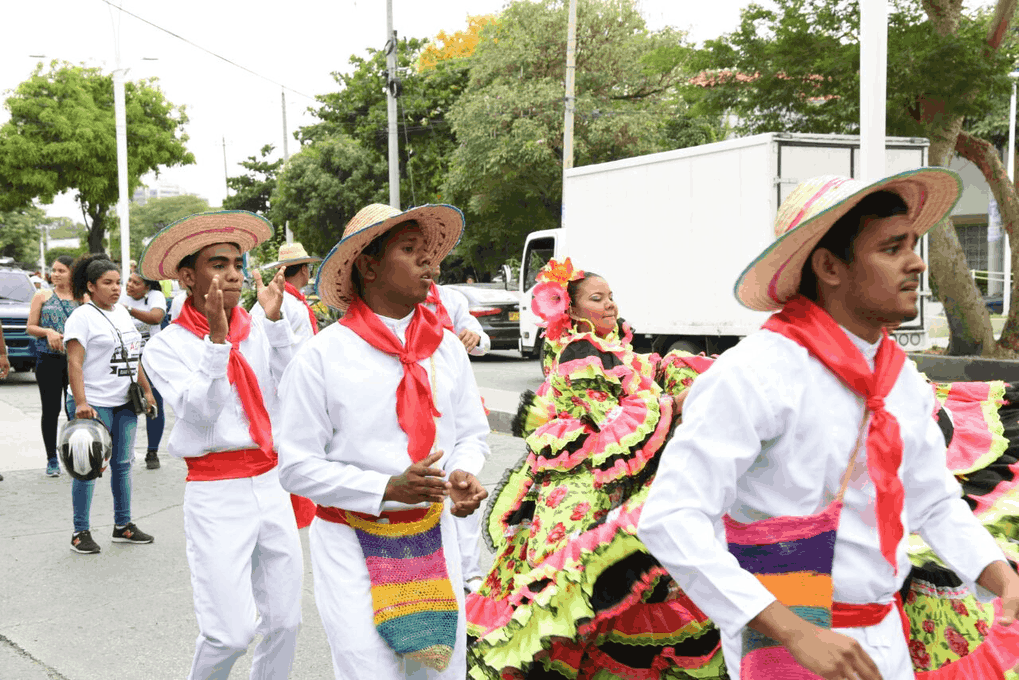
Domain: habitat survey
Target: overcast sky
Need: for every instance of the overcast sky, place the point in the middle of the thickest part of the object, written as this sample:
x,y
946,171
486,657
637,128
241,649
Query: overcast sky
x,y
296,44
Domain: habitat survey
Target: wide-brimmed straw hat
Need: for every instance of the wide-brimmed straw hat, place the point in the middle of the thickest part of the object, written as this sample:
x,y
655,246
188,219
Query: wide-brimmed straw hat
x,y
190,234
814,206
291,254
442,226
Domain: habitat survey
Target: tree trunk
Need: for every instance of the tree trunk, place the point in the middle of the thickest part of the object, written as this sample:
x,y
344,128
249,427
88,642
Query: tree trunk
x,y
97,232
969,322
983,154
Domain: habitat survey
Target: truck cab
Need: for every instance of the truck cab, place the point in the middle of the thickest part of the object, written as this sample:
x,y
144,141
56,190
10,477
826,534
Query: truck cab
x,y
539,248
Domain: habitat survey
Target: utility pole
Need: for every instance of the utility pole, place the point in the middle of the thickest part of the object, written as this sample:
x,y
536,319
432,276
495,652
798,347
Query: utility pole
x,y
391,86
571,99
286,157
226,185
873,88
120,115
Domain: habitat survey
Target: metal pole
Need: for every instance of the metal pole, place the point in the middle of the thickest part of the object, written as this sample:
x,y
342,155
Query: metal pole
x,y
286,157
571,99
873,88
120,111
226,185
394,141
1006,294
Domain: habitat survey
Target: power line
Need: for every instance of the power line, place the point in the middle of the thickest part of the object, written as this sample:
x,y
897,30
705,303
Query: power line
x,y
207,51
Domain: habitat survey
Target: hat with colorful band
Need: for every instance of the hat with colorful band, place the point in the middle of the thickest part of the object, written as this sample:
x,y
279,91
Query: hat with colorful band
x,y
190,234
442,226
807,214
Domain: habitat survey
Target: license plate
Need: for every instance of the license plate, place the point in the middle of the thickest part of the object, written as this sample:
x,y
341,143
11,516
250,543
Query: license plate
x,y
514,316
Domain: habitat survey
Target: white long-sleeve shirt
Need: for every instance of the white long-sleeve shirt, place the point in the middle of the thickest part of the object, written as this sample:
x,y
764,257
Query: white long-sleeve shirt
x,y
339,437
458,308
190,373
768,431
296,315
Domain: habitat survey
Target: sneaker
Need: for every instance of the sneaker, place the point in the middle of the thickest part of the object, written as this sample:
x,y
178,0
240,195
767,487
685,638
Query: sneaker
x,y
131,534
52,468
82,542
151,460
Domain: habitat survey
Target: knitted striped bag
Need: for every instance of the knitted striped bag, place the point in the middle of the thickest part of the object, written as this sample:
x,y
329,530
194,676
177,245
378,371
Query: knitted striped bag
x,y
792,557
415,610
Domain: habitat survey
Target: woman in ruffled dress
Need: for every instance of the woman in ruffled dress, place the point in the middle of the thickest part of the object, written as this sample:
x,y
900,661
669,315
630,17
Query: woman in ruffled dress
x,y
948,623
573,593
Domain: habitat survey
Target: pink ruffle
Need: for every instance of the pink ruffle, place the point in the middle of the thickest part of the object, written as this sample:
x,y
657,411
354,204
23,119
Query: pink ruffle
x,y
624,467
998,653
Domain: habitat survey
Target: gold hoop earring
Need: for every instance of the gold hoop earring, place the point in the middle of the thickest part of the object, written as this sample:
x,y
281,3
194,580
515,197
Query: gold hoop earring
x,y
579,320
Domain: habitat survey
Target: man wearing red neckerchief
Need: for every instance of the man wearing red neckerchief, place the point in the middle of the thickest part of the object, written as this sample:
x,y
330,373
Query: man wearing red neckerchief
x,y
296,273
382,420
769,429
218,369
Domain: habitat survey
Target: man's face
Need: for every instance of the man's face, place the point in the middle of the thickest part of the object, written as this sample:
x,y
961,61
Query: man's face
x,y
222,260
884,277
404,271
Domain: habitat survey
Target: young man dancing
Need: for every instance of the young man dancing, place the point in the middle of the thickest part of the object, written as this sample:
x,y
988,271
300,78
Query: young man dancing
x,y
296,273
381,423
218,369
769,433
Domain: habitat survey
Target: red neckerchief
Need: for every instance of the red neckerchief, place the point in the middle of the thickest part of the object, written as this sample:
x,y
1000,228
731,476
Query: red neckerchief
x,y
805,323
290,288
415,408
440,309
238,370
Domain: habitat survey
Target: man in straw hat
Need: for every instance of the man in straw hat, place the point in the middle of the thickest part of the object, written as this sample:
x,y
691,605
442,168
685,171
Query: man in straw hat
x,y
296,273
818,404
218,369
382,422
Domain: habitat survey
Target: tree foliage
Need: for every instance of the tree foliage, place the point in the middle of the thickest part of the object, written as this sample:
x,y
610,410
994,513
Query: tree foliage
x,y
458,45
20,233
506,170
253,190
61,137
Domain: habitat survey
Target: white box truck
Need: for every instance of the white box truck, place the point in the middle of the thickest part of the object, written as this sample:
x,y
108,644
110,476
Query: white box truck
x,y
671,232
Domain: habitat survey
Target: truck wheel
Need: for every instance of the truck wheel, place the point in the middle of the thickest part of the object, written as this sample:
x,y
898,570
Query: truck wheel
x,y
686,345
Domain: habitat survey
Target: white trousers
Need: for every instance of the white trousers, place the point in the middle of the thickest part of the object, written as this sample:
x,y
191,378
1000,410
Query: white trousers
x,y
884,643
246,569
468,537
343,596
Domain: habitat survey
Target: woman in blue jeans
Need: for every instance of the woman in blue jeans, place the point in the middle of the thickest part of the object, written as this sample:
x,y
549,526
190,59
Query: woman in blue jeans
x,y
103,350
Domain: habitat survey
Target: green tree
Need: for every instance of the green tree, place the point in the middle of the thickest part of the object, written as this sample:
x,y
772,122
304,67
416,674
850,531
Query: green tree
x,y
20,233
253,190
320,189
61,137
145,220
796,68
506,171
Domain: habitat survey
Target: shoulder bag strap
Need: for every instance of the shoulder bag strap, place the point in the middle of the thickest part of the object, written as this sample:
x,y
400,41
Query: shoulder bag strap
x,y
852,459
116,330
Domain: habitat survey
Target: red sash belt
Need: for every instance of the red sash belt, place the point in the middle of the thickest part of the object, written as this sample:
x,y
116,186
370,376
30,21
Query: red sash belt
x,y
338,515
229,465
845,615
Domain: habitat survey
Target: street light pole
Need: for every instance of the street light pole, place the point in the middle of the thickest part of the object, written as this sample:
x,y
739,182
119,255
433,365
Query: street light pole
x,y
120,111
394,140
1006,293
873,88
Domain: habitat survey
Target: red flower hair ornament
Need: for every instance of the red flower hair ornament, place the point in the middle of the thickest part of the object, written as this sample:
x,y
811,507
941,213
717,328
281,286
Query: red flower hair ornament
x,y
551,300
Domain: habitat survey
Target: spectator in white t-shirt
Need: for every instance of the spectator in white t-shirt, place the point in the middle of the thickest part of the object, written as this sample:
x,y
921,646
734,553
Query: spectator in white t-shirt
x,y
103,351
146,304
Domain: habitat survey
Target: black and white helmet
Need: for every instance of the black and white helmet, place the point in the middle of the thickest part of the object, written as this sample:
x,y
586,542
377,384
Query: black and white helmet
x,y
85,447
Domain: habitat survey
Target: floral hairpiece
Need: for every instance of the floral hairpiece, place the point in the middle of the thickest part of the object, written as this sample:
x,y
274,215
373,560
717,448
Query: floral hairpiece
x,y
551,299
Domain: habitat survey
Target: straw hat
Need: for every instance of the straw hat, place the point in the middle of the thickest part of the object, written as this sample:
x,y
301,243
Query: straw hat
x,y
290,254
442,226
814,206
190,234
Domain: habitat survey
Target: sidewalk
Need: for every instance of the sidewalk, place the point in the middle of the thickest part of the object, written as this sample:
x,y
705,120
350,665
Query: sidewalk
x,y
127,612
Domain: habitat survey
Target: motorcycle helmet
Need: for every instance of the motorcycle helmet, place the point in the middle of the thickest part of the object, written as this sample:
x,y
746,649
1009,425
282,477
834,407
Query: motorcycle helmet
x,y
85,447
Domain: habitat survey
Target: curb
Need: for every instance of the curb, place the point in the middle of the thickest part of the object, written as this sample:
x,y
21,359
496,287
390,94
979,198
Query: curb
x,y
943,368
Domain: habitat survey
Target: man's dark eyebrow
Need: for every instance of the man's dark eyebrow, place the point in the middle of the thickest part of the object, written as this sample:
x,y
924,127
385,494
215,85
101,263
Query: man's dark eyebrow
x,y
899,238
224,258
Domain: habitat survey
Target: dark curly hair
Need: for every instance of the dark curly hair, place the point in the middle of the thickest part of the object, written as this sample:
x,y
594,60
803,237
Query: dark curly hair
x,y
88,269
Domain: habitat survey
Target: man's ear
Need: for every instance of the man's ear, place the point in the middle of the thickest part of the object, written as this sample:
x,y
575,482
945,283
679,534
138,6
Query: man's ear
x,y
829,270
186,276
366,267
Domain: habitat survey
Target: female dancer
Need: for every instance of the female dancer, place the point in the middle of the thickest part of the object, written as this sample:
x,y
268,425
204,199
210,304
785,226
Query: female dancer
x,y
573,591
46,317
146,305
103,349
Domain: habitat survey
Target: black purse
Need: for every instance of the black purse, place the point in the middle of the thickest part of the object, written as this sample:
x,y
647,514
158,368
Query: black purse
x,y
135,394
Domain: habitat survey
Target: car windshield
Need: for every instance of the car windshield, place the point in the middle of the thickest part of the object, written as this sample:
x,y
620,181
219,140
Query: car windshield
x,y
16,286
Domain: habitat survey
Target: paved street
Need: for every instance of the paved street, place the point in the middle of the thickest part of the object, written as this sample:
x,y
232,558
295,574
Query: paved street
x,y
126,613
